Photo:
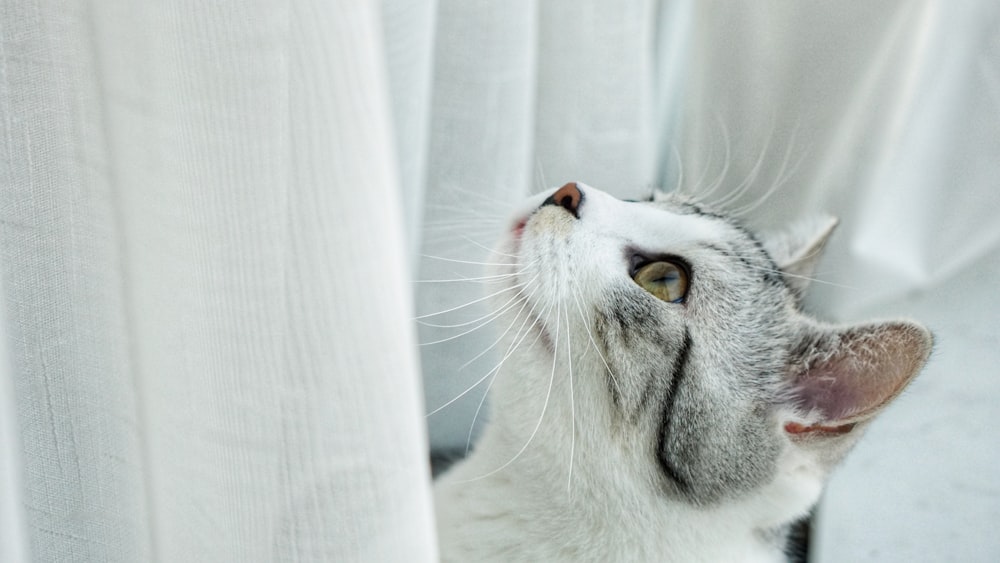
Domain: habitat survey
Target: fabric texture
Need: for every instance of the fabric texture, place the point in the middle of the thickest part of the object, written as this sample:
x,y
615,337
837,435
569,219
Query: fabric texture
x,y
206,287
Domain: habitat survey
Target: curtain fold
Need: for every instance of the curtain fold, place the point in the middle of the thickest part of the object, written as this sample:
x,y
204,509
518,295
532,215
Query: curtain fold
x,y
67,331
204,268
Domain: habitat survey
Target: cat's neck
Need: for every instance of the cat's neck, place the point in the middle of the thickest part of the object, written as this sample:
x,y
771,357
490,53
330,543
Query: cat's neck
x,y
607,503
616,519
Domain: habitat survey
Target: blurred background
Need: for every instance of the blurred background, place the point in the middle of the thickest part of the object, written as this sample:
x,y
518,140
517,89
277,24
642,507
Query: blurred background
x,y
219,220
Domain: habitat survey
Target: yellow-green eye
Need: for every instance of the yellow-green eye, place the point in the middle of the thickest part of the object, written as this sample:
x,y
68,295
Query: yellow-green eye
x,y
665,280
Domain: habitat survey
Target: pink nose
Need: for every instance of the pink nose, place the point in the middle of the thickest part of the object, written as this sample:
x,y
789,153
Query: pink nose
x,y
569,197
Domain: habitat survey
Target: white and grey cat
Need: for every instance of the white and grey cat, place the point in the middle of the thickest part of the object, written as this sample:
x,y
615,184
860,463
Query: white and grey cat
x,y
664,397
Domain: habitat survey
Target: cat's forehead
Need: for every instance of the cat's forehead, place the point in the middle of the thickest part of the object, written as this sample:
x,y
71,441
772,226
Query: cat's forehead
x,y
668,224
667,221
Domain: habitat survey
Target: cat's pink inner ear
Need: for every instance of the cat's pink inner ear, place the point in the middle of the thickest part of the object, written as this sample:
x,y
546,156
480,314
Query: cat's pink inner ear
x,y
867,367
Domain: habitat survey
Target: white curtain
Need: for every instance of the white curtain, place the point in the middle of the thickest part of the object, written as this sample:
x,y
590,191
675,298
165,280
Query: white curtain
x,y
211,211
207,306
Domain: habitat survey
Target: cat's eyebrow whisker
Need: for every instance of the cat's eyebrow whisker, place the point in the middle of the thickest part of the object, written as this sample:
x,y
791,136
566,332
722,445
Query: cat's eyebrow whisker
x,y
541,417
699,182
448,243
726,161
778,183
459,216
784,175
751,177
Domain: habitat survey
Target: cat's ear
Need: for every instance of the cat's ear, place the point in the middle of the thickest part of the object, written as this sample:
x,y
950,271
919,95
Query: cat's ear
x,y
797,250
842,377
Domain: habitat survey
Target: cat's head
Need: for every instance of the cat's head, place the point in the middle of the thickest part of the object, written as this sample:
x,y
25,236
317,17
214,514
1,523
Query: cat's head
x,y
675,331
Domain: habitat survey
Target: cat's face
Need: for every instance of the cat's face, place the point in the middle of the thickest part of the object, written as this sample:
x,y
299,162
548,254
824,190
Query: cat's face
x,y
681,339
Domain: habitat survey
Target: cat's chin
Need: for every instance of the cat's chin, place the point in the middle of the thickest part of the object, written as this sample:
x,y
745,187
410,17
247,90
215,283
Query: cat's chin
x,y
518,229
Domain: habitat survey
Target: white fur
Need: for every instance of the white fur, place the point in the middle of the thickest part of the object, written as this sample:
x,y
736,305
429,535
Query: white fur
x,y
533,511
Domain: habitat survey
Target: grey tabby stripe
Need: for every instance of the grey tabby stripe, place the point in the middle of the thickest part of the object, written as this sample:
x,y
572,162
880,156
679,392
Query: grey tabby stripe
x,y
678,373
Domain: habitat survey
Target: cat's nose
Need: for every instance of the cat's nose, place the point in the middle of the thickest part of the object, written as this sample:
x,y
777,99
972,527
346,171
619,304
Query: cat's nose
x,y
569,197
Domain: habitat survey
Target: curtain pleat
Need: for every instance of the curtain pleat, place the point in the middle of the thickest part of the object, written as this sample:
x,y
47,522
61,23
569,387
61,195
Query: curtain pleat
x,y
67,320
205,275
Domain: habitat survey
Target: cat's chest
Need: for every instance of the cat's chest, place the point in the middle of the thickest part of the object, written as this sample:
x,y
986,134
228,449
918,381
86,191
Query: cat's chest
x,y
502,520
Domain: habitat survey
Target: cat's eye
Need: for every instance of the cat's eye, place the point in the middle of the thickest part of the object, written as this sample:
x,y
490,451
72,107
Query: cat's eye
x,y
665,280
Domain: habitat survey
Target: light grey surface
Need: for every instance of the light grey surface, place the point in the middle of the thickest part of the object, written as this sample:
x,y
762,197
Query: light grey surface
x,y
924,483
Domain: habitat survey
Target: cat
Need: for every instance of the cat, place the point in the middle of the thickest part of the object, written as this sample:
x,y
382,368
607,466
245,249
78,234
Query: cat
x,y
663,396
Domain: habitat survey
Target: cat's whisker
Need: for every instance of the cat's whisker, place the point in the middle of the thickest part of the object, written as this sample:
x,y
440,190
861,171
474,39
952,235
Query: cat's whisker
x,y
457,261
541,417
490,250
572,408
510,304
590,335
796,276
470,303
468,210
494,316
482,196
778,183
820,281
699,182
500,338
494,277
783,176
449,233
676,153
515,344
751,176
455,214
726,160
448,218
541,174
495,369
